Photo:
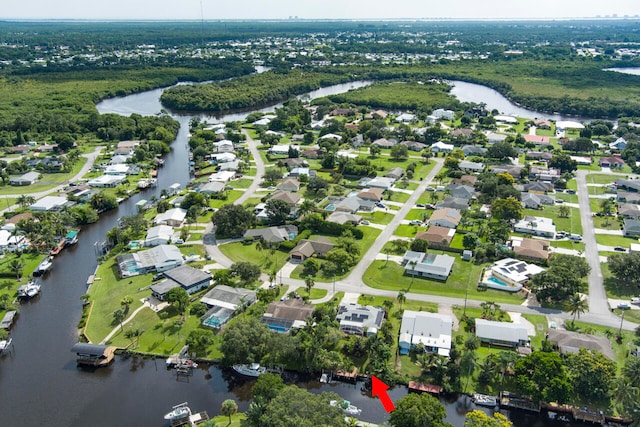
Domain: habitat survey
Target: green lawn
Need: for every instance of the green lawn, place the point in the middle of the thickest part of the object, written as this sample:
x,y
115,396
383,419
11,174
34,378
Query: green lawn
x,y
239,252
595,191
568,244
541,324
465,275
617,289
600,178
610,223
397,196
46,182
315,293
378,217
608,240
571,224
232,196
572,185
241,183
569,198
419,213
406,230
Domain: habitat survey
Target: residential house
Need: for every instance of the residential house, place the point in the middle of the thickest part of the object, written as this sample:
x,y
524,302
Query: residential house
x,y
282,316
188,278
357,141
173,217
383,143
536,201
542,124
466,180
466,192
12,223
611,162
378,182
538,155
223,157
628,184
514,272
374,194
582,160
512,170
537,226
506,119
545,174
211,187
356,319
405,118
331,136
395,173
344,218
619,144
531,249
354,204
431,330
453,203
10,241
631,227
629,210
289,184
503,334
494,138
158,259
468,166
538,187
222,176
272,234
442,114
126,148
473,150
432,266
223,301
107,181
572,342
311,153
446,217
537,139
18,149
281,150
438,237
158,235
121,169
628,197
223,146
414,145
119,159
296,162
463,133
308,248
441,147
292,199
342,112
230,166
26,179
49,203
296,172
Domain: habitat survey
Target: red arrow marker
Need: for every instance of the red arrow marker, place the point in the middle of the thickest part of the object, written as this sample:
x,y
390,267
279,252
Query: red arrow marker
x,y
378,388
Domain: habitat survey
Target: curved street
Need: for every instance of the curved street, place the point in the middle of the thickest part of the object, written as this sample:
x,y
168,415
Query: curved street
x,y
598,313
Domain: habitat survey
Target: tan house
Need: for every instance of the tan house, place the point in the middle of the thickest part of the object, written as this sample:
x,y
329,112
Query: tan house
x,y
308,248
446,217
292,199
374,194
438,237
289,184
531,249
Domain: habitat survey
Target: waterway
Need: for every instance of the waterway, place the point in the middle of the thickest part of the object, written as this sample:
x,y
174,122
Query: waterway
x,y
40,382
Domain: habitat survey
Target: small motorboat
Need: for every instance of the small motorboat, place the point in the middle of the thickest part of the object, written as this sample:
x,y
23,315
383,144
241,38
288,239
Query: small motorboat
x,y
44,266
485,400
347,407
30,290
178,412
252,370
5,344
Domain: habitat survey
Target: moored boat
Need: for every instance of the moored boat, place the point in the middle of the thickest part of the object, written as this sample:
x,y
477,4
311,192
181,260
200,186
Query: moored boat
x,y
347,407
5,344
71,238
485,400
252,370
29,290
44,266
178,412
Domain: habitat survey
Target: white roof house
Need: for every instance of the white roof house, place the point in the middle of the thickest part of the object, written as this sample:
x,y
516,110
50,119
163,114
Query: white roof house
x,y
360,320
281,149
331,136
441,147
502,333
173,217
434,266
9,241
405,118
441,113
224,157
117,169
222,176
505,119
379,182
48,203
567,124
262,122
230,166
537,226
159,258
158,235
429,329
514,272
106,181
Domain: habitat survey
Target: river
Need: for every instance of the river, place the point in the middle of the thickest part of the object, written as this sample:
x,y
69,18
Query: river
x,y
39,380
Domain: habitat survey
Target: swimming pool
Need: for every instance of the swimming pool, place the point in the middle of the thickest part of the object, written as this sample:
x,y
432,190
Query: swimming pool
x,y
495,283
218,318
331,207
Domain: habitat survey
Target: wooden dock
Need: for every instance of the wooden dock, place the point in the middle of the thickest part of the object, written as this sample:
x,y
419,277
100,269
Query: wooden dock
x,y
509,400
347,376
418,387
588,415
192,420
7,320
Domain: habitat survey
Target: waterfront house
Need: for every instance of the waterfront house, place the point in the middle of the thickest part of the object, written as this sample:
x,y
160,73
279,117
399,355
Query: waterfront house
x,y
11,242
432,266
49,203
432,330
211,187
356,319
445,217
173,217
107,181
26,179
503,334
308,248
282,316
157,259
186,277
158,235
571,342
223,301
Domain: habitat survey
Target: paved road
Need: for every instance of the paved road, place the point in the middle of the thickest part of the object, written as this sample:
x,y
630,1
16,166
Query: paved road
x,y
91,158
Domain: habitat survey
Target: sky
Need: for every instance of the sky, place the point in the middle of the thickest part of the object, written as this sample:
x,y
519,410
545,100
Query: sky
x,y
314,9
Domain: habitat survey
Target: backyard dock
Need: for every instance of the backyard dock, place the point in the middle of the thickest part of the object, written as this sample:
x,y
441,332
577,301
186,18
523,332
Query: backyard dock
x,y
192,420
509,400
347,376
418,387
7,320
588,415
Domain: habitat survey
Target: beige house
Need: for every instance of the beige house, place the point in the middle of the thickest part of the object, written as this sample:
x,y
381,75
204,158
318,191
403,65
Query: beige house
x,y
308,248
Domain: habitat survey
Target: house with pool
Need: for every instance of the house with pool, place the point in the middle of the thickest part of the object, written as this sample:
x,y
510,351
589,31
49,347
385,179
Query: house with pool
x,y
222,302
509,274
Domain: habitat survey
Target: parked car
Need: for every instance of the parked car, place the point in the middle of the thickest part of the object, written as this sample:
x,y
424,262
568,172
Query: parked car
x,y
619,249
561,234
559,201
635,300
380,205
575,237
415,222
624,306
430,189
364,222
419,205
570,191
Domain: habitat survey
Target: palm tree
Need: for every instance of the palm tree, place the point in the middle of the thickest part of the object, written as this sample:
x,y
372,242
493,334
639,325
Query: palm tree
x,y
125,303
25,200
309,283
229,408
624,393
401,298
412,264
576,306
468,360
386,250
118,316
307,206
16,266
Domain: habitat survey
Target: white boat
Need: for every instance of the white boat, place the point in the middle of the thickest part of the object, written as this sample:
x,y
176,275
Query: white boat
x,y
252,370
347,407
30,290
178,412
485,400
5,344
44,266
153,182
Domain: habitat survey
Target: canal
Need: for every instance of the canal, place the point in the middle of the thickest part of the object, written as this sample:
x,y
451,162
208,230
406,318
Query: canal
x,y
40,382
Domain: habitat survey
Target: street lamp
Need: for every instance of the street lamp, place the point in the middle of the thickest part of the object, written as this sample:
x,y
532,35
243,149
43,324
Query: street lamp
x,y
621,321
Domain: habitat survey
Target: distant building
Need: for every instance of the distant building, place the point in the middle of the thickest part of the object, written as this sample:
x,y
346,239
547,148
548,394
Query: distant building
x,y
26,179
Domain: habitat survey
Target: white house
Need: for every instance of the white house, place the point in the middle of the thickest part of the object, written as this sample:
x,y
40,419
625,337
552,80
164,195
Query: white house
x,y
49,203
514,272
433,266
224,157
537,226
442,114
158,235
107,181
222,176
360,320
405,118
173,217
159,258
506,119
9,241
119,169
280,150
432,330
331,136
441,147
502,334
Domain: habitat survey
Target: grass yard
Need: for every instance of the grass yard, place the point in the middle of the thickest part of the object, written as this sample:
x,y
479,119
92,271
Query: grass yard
x,y
572,185
378,217
601,178
241,183
419,213
617,289
315,293
541,324
239,252
568,244
569,198
413,305
571,224
608,240
383,275
46,182
406,230
397,196
232,196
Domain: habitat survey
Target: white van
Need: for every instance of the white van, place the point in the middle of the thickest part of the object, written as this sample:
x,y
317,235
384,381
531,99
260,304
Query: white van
x,y
576,237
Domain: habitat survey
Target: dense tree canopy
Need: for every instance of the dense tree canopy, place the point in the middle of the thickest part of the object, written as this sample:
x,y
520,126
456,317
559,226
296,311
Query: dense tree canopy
x,y
418,410
232,221
543,376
